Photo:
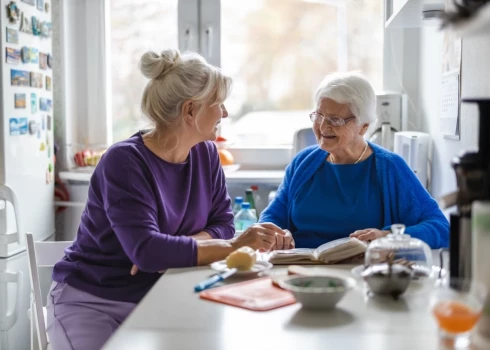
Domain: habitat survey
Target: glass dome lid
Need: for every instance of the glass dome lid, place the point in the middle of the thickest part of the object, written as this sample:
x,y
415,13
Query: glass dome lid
x,y
400,248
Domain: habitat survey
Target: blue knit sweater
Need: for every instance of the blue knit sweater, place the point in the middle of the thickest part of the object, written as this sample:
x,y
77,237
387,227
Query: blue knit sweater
x,y
404,198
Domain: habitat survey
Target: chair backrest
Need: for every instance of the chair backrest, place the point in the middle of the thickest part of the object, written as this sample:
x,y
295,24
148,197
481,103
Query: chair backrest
x,y
302,139
41,254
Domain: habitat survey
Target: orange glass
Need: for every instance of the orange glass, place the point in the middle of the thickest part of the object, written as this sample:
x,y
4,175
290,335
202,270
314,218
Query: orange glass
x,y
455,317
457,305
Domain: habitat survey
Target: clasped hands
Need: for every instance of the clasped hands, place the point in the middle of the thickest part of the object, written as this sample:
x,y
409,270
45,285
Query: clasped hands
x,y
263,237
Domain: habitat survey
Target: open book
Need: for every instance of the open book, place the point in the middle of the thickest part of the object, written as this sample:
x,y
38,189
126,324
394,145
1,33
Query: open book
x,y
328,253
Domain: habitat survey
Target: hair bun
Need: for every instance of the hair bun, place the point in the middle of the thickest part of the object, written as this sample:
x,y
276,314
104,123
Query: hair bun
x,y
155,66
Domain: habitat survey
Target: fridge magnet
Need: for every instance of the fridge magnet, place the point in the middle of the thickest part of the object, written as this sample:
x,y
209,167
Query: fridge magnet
x,y
50,59
43,61
48,83
45,29
36,26
46,6
20,100
44,104
12,55
32,127
43,123
42,147
38,134
36,80
24,54
25,24
48,122
30,2
40,5
13,12
33,55
12,36
19,77
33,103
18,126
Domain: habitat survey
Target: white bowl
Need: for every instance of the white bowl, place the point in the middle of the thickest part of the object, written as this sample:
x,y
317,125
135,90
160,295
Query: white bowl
x,y
318,292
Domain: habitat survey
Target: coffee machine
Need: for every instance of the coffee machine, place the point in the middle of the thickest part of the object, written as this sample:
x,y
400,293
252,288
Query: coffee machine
x,y
473,181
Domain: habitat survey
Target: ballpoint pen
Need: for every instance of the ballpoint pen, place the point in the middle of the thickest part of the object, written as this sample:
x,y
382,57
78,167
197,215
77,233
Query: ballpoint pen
x,y
214,279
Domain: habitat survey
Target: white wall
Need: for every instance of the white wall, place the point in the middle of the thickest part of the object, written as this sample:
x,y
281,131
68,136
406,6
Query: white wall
x,y
474,83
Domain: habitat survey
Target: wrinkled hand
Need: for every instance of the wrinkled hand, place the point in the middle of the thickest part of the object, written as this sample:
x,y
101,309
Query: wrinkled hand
x,y
260,237
283,242
369,234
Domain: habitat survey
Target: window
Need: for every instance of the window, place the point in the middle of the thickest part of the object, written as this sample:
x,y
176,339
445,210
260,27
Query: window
x,y
276,51
135,27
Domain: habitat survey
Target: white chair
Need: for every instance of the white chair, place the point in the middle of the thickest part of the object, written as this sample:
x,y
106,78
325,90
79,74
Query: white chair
x,y
40,254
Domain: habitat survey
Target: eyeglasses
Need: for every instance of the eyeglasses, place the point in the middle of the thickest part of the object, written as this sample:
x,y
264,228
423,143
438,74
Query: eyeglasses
x,y
332,121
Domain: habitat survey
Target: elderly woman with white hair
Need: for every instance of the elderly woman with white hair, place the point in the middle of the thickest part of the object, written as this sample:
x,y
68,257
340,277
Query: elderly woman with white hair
x,y
347,186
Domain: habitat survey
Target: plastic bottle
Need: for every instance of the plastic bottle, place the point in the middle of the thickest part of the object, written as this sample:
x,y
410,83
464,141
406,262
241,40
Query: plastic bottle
x,y
259,206
249,197
245,217
237,205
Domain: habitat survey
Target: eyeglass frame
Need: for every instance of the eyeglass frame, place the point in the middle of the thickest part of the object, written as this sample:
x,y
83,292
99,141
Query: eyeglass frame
x,y
314,117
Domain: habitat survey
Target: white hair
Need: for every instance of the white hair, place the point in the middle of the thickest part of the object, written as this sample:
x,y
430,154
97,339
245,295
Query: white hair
x,y
175,78
352,89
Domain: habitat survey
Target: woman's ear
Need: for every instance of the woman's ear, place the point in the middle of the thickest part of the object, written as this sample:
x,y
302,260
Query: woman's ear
x,y
188,111
364,129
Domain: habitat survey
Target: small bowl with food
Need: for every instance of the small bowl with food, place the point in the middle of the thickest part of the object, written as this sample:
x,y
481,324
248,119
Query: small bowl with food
x,y
318,292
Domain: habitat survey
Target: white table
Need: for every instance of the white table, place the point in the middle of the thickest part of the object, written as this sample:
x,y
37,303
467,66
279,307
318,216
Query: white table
x,y
172,316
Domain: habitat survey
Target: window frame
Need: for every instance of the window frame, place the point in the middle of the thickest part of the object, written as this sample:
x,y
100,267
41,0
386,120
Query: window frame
x,y
199,29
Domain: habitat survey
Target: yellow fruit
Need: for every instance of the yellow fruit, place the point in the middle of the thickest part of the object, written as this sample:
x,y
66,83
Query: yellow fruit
x,y
225,157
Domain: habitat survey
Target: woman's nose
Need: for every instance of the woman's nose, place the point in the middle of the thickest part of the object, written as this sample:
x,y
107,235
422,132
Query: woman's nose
x,y
225,112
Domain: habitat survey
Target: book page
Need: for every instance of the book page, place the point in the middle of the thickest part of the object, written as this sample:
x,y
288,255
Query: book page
x,y
340,249
291,255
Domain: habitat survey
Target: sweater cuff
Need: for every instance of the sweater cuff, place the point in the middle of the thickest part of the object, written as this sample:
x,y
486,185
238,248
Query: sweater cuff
x,y
218,233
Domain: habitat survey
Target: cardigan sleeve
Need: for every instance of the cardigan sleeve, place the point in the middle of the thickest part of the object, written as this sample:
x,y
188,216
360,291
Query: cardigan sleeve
x,y
277,211
415,207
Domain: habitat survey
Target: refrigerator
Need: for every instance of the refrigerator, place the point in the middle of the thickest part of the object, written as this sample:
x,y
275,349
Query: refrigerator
x,y
26,155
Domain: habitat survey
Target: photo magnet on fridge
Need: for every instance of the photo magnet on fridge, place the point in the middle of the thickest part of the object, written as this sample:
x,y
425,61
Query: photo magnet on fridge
x,y
36,80
19,77
18,126
48,122
44,104
40,5
12,55
12,36
43,61
33,102
48,83
30,2
20,100
13,12
33,128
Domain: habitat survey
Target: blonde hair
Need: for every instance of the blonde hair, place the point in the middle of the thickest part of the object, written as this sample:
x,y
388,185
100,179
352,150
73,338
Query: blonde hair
x,y
353,89
176,78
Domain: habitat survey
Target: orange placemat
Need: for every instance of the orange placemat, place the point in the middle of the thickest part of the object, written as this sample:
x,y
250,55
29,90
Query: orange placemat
x,y
258,295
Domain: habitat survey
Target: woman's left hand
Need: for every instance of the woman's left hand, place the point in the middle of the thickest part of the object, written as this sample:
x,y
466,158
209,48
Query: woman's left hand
x,y
369,234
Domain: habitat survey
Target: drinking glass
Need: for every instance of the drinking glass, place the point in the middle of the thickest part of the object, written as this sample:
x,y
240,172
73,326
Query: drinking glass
x,y
457,305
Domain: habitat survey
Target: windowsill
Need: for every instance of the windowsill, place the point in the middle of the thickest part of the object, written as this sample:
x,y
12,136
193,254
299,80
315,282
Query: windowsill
x,y
260,176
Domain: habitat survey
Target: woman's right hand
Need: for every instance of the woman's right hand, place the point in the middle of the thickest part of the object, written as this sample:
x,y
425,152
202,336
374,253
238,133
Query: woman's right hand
x,y
258,237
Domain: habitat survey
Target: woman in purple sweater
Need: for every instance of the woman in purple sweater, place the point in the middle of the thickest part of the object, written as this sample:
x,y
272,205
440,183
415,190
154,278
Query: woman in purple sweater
x,y
157,200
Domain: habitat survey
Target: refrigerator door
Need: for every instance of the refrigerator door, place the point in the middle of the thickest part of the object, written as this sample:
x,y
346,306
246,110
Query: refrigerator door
x,y
26,123
14,302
